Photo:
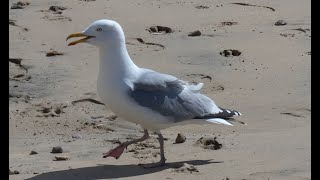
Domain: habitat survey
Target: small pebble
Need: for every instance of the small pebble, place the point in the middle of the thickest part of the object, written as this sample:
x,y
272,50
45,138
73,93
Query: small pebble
x,y
61,158
159,29
180,138
20,5
230,52
33,153
57,149
23,3
195,33
57,8
280,23
14,172
76,136
16,6
202,7
100,126
53,53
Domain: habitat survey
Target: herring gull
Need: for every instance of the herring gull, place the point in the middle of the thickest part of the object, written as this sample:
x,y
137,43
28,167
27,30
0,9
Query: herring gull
x,y
151,99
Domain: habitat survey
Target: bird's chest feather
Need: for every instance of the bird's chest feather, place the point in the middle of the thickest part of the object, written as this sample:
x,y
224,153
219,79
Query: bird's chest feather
x,y
111,92
115,95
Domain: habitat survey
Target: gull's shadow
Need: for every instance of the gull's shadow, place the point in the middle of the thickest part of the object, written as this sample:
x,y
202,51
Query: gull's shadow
x,y
112,171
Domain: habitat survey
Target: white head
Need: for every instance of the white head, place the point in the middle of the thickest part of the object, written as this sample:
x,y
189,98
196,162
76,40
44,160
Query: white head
x,y
100,33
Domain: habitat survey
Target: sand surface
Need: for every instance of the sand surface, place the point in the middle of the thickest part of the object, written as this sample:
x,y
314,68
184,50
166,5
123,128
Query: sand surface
x,y
269,83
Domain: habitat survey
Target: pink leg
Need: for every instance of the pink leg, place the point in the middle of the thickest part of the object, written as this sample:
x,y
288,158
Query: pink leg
x,y
116,152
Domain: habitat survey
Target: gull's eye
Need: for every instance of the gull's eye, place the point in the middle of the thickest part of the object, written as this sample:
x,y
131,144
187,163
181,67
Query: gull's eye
x,y
98,29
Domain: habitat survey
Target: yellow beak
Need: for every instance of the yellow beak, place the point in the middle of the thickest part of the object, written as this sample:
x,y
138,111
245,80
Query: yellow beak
x,y
80,40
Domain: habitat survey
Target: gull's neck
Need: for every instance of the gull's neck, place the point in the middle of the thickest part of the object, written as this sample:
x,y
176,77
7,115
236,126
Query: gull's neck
x,y
115,61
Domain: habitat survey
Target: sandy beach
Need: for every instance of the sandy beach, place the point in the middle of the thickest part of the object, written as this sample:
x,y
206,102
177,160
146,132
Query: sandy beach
x,y
252,56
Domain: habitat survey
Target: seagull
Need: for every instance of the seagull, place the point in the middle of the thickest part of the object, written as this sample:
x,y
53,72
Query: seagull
x,y
151,99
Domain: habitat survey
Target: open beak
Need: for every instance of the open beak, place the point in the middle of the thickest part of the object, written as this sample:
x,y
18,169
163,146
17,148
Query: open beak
x,y
80,40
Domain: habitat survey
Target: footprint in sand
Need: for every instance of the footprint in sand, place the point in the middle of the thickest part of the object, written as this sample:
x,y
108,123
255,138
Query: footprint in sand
x,y
54,14
49,110
159,30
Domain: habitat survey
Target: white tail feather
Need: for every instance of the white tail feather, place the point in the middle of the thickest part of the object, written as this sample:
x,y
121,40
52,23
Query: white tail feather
x,y
195,87
219,121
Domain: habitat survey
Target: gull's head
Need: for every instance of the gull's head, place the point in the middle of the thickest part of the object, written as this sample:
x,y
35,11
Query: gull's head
x,y
100,33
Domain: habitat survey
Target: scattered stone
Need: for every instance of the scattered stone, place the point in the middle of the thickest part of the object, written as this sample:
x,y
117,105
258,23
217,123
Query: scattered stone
x,y
53,53
33,153
228,23
160,29
180,138
14,172
18,76
280,23
57,111
61,158
185,168
202,7
57,149
58,12
230,52
209,143
23,3
195,33
16,61
16,6
57,8
287,34
12,22
76,136
100,126
20,5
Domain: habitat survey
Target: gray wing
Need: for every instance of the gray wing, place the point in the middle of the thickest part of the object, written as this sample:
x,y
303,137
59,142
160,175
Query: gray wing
x,y
171,97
